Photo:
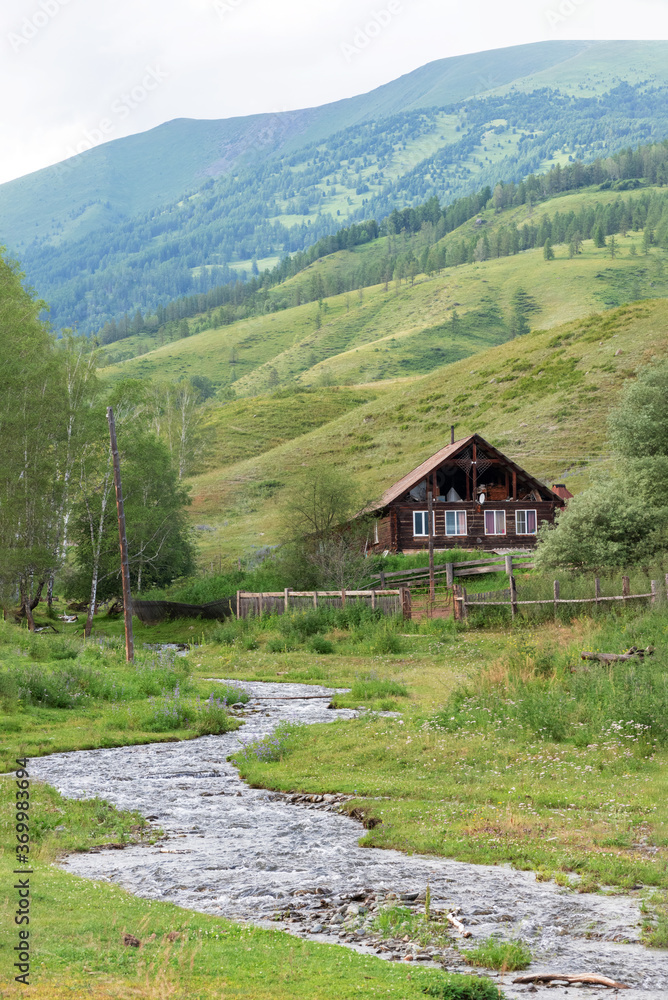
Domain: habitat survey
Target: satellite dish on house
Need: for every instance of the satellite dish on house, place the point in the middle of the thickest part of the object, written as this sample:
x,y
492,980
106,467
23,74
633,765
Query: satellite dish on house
x,y
481,498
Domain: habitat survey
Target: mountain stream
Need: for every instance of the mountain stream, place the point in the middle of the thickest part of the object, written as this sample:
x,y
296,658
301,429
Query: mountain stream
x,y
293,863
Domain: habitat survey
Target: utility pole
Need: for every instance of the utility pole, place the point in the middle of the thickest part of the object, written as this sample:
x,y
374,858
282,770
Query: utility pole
x,y
125,565
432,582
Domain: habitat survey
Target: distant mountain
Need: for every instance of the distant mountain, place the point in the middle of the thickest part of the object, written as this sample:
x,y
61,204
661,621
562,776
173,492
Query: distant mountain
x,y
142,220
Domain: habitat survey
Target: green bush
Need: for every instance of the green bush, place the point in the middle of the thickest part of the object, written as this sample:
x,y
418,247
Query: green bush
x,y
318,644
387,642
458,987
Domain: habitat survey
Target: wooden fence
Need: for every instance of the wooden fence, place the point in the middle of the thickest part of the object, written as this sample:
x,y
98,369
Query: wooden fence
x,y
471,567
464,601
390,602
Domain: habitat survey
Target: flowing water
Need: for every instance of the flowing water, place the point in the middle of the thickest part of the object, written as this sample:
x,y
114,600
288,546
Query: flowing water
x,y
248,854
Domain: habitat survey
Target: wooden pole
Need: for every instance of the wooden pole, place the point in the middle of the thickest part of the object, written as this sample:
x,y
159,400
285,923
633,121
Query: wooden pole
x,y
597,590
261,604
626,586
238,605
406,603
373,600
432,581
513,596
315,598
654,588
509,565
450,575
465,610
125,565
286,600
343,598
556,600
475,470
456,607
382,581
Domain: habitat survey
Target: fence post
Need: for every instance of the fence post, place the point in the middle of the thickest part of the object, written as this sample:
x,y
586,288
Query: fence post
x,y
509,565
556,600
238,605
315,598
373,600
513,596
286,600
597,590
465,610
450,575
654,589
626,587
406,603
382,581
343,598
432,580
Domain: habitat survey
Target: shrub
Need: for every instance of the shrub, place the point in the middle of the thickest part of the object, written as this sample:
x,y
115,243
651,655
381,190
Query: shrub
x,y
212,717
387,642
458,987
318,644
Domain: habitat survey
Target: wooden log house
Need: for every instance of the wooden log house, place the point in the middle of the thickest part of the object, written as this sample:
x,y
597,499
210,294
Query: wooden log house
x,y
481,499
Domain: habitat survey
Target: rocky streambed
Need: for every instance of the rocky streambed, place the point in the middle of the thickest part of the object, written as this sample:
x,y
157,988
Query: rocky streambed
x,y
293,862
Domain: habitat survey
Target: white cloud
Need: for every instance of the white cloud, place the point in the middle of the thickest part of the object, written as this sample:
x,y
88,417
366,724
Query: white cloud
x,y
66,62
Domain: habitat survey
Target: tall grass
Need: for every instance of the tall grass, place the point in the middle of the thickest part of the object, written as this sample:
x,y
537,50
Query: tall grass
x,y
536,690
573,587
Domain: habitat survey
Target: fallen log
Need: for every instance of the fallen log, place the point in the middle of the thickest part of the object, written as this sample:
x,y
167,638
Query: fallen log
x,y
586,978
630,654
452,919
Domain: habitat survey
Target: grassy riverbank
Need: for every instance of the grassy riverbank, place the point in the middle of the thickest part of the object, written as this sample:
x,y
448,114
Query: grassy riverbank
x,y
500,754
77,929
58,694
509,750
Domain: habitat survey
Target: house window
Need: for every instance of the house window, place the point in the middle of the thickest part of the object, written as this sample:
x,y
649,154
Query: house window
x,y
421,522
495,522
455,522
526,522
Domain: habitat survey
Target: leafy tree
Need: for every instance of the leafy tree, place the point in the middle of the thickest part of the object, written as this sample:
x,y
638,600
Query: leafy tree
x,y
159,544
33,416
622,520
323,537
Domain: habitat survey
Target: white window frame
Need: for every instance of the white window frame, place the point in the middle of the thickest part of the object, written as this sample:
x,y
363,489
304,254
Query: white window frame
x,y
495,532
525,512
456,534
425,515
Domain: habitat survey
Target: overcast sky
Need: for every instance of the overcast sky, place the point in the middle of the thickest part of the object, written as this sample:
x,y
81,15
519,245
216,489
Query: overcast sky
x,y
101,69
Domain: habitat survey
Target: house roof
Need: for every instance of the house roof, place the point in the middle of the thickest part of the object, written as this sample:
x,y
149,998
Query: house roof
x,y
562,491
409,481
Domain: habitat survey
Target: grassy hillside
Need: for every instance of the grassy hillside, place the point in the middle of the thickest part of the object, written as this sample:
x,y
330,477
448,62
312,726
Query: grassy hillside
x,y
398,328
185,207
542,399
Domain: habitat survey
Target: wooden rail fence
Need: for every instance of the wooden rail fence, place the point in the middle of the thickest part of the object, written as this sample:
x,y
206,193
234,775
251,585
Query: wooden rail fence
x,y
471,567
462,601
390,602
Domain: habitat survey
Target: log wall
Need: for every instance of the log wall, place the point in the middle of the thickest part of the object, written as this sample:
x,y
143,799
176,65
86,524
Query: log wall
x,y
403,538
